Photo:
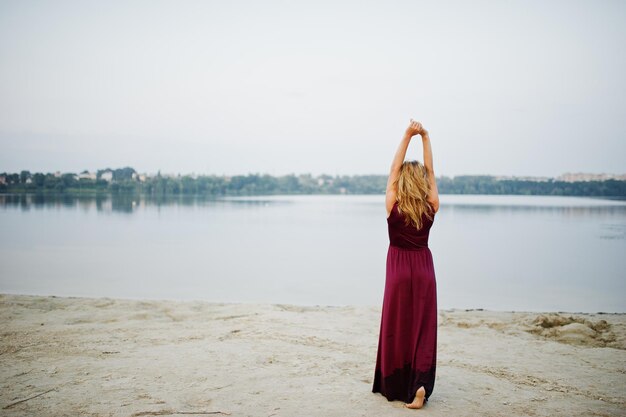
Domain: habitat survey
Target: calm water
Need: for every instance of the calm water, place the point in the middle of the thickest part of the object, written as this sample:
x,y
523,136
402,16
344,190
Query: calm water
x,y
493,252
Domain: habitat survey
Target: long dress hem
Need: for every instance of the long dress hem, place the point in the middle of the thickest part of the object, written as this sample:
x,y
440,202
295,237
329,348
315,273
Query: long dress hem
x,y
393,387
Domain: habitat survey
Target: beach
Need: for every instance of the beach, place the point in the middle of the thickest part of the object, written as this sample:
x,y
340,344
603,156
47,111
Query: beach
x,y
120,357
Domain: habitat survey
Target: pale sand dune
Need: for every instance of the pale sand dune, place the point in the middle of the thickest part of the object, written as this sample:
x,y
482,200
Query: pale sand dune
x,y
105,357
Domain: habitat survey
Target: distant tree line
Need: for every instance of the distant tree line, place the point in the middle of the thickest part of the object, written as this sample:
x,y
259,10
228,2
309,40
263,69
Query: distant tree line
x,y
486,184
126,180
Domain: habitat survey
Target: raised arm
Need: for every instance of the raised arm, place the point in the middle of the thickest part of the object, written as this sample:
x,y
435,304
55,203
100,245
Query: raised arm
x,y
390,194
433,196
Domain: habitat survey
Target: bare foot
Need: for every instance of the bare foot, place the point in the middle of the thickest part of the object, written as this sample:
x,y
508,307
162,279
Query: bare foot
x,y
418,402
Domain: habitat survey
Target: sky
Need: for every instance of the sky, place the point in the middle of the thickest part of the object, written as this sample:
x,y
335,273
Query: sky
x,y
524,88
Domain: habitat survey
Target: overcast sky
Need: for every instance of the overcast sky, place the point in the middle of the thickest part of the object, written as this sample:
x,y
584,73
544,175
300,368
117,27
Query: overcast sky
x,y
238,87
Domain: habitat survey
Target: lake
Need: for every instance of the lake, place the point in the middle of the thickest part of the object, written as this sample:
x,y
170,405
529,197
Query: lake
x,y
530,253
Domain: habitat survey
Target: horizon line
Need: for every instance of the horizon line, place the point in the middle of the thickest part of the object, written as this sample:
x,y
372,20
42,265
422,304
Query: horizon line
x,y
249,173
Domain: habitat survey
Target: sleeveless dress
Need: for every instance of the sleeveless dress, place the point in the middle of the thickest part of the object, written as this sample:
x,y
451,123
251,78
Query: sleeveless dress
x,y
407,345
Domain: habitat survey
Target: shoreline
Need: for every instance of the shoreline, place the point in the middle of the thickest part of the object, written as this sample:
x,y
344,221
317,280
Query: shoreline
x,y
131,357
253,303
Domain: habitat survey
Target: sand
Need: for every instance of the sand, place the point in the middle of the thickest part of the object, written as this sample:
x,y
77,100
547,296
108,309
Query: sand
x,y
110,357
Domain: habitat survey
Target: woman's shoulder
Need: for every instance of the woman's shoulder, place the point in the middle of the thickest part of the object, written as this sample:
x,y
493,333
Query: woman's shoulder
x,y
393,208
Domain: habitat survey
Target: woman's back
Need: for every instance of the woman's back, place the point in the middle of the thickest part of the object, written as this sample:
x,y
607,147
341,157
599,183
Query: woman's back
x,y
407,236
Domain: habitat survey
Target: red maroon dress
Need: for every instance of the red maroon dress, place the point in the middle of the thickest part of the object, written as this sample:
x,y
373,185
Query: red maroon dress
x,y
407,345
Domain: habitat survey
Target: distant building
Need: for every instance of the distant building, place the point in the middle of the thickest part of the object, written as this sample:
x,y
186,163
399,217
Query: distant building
x,y
107,176
581,176
526,178
86,175
139,177
567,177
3,179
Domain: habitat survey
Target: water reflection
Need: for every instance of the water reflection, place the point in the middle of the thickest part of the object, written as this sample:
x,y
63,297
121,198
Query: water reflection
x,y
477,204
572,211
114,203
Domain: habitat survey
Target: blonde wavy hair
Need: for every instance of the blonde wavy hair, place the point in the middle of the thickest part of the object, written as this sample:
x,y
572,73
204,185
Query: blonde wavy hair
x,y
412,189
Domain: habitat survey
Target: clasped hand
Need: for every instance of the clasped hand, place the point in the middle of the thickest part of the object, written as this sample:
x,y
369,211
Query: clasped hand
x,y
416,128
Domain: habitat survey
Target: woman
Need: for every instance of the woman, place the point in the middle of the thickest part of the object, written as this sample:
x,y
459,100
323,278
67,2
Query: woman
x,y
407,345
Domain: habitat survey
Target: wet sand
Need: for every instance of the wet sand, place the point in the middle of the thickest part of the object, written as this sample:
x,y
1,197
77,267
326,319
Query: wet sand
x,y
113,357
